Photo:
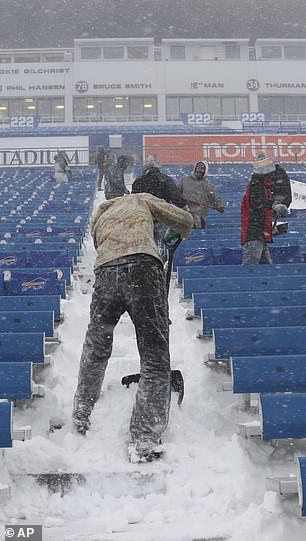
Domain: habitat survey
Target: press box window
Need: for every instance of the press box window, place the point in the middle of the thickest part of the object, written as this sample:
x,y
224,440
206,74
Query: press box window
x,y
271,52
232,52
177,52
294,53
90,53
25,59
54,57
113,53
137,52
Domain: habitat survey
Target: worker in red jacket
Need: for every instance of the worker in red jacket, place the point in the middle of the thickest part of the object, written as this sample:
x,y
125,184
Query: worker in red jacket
x,y
257,208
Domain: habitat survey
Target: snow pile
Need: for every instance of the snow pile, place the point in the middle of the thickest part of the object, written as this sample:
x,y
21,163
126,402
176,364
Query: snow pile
x,y
210,483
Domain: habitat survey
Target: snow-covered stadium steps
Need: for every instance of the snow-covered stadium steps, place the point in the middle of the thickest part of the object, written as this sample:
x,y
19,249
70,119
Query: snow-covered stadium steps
x,y
140,482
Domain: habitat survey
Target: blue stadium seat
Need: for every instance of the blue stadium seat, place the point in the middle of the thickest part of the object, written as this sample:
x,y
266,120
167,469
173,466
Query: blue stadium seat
x,y
259,341
230,256
283,416
7,433
22,321
195,256
41,283
228,299
245,283
10,259
22,347
301,468
285,254
16,382
31,303
214,271
269,374
249,317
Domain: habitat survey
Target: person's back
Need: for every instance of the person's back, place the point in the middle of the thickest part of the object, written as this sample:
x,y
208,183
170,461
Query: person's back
x,y
153,181
123,226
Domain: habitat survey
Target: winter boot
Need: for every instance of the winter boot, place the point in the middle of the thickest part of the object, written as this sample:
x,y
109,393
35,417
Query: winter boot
x,y
144,452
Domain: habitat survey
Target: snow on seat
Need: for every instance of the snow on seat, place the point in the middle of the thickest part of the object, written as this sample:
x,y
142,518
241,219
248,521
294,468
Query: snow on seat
x,y
7,433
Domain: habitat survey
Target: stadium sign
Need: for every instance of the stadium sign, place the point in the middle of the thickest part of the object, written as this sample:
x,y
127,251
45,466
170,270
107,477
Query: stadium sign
x,y
187,149
40,151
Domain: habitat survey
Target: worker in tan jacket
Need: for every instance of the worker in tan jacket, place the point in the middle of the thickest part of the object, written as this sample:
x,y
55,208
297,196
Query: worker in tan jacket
x,y
130,278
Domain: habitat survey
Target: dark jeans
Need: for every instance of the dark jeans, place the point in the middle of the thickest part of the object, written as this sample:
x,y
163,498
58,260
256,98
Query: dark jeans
x,y
139,289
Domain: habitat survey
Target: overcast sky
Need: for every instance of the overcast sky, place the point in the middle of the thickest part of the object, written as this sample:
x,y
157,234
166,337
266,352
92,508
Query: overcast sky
x,y
55,23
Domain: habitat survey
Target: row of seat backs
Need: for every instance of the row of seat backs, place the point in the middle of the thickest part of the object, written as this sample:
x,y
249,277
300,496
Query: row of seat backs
x,y
231,256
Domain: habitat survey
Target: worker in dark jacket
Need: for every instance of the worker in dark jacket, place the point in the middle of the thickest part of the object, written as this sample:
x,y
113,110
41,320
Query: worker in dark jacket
x,y
153,181
256,214
114,180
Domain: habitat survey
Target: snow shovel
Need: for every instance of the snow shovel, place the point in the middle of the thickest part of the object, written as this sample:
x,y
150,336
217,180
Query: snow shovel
x,y
177,381
279,229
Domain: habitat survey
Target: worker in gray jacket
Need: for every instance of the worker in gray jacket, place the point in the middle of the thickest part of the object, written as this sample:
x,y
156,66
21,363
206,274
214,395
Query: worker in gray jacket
x,y
61,167
200,194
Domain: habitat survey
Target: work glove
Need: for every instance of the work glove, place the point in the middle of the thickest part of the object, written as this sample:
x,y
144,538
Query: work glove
x,y
171,236
197,221
279,210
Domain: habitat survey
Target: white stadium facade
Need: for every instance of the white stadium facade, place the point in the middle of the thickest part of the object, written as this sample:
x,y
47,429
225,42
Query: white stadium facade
x,y
233,97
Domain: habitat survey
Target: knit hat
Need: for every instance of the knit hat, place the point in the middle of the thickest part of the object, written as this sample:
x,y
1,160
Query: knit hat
x,y
263,165
151,162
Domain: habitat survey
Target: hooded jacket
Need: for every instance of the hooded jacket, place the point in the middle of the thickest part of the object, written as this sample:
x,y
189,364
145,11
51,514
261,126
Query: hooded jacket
x,y
124,226
153,181
256,213
201,191
61,163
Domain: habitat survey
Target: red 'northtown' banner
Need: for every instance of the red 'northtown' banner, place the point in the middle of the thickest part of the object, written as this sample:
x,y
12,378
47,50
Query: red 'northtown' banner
x,y
187,149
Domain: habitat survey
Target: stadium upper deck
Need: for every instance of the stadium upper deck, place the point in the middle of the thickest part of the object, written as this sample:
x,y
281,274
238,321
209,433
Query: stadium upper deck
x,y
139,81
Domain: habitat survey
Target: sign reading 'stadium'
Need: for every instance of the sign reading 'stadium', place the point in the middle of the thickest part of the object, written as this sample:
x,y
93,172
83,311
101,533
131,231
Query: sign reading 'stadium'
x,y
187,149
40,151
